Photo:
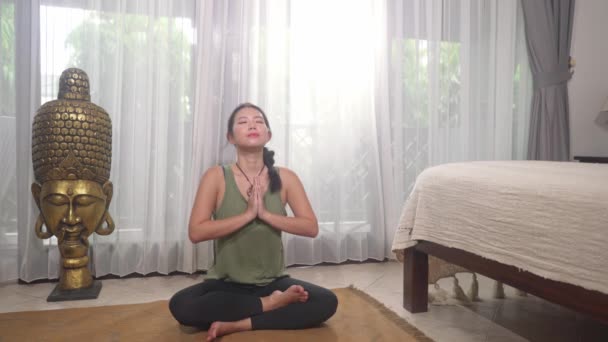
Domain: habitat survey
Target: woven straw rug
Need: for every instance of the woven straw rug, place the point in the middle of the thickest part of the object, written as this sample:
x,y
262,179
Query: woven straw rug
x,y
359,318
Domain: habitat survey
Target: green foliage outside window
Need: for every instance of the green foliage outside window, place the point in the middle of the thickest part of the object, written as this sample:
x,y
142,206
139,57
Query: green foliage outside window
x,y
417,56
7,62
126,38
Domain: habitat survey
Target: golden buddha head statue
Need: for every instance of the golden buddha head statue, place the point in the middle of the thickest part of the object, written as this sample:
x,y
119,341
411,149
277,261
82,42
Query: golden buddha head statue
x,y
72,153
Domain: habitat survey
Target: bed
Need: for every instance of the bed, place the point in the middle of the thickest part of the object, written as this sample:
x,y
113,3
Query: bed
x,y
541,227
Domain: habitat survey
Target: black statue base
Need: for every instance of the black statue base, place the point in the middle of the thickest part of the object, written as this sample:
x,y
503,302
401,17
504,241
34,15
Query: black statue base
x,y
59,295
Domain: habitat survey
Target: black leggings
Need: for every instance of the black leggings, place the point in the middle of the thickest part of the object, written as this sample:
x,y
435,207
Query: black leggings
x,y
217,300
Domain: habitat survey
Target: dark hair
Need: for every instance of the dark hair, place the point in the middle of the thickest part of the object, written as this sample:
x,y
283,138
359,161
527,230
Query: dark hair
x,y
273,174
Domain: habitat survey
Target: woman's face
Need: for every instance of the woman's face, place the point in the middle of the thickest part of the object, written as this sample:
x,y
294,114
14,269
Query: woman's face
x,y
249,129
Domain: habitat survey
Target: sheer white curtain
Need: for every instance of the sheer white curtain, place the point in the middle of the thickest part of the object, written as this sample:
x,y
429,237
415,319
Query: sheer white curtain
x,y
361,96
458,89
8,148
140,58
311,68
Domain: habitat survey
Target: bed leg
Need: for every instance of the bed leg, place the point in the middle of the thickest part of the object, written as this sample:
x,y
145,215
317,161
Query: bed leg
x,y
415,281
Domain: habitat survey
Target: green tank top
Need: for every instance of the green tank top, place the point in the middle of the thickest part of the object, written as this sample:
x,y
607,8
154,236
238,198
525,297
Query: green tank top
x,y
254,253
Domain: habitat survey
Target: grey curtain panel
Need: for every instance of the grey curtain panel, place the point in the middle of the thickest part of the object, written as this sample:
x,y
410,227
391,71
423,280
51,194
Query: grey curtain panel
x,y
548,26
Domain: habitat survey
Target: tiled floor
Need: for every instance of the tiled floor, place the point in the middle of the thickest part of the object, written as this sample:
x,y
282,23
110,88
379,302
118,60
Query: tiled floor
x,y
515,318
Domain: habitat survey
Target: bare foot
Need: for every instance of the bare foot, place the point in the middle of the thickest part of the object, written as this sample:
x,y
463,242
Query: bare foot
x,y
218,329
279,299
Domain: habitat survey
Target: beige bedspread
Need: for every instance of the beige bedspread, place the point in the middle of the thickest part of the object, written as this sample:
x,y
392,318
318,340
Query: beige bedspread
x,y
548,218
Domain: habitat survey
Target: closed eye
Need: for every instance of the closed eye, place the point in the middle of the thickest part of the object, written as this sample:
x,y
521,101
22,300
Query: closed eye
x,y
86,200
57,200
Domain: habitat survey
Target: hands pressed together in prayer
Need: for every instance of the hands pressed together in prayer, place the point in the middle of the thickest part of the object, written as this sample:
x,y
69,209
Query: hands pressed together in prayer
x,y
255,205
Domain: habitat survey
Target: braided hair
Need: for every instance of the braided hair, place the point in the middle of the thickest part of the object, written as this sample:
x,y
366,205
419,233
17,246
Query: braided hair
x,y
268,155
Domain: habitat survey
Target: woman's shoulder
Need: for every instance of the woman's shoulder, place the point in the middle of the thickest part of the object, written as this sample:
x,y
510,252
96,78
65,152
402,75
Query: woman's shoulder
x,y
217,169
214,174
283,170
286,173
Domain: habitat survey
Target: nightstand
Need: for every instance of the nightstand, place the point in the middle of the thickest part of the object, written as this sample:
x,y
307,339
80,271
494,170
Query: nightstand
x,y
587,159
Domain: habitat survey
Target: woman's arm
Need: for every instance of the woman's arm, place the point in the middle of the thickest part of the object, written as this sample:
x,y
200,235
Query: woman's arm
x,y
304,222
201,226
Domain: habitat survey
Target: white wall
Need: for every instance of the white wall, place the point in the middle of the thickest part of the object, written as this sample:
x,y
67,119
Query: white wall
x,y
589,85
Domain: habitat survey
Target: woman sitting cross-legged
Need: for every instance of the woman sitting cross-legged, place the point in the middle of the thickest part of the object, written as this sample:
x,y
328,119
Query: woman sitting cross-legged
x,y
242,208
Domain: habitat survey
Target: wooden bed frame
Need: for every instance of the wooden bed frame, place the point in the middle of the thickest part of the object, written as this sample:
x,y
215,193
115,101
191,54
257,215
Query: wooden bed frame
x,y
415,281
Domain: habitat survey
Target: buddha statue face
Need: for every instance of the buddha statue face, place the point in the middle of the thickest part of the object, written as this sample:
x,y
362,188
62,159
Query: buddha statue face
x,y
72,209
